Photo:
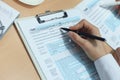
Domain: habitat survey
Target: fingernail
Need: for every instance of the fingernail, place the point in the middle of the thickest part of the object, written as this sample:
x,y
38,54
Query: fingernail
x,y
70,34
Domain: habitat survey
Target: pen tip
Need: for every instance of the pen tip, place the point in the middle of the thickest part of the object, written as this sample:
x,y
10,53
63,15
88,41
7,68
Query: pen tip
x,y
62,28
66,29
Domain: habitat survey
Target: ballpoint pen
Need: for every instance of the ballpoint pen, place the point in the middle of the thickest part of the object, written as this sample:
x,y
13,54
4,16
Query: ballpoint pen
x,y
110,4
85,34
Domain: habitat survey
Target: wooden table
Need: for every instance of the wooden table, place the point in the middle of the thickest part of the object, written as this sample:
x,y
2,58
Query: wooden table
x,y
15,63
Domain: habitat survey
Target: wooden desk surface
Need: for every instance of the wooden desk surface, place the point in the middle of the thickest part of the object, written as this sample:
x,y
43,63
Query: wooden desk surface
x,y
15,63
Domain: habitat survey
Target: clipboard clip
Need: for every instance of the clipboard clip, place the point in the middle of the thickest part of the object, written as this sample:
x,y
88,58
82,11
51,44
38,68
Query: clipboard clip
x,y
40,20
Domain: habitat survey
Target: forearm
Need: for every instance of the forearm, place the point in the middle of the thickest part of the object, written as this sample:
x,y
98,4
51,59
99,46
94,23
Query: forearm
x,y
107,68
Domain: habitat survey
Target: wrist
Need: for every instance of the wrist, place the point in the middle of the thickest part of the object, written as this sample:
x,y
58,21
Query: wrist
x,y
96,54
100,56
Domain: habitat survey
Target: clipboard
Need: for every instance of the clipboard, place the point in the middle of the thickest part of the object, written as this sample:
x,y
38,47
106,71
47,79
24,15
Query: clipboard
x,y
37,21
33,31
40,19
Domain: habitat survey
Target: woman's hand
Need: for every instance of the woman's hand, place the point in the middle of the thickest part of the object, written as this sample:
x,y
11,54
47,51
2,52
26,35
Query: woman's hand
x,y
93,48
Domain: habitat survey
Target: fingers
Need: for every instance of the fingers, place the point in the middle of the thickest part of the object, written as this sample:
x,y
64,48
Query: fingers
x,y
77,39
81,24
86,25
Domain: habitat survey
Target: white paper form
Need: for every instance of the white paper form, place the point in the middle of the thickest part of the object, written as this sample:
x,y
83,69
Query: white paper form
x,y
105,19
7,16
58,57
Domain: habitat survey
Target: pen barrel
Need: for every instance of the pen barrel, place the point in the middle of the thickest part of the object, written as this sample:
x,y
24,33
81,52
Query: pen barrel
x,y
91,36
85,34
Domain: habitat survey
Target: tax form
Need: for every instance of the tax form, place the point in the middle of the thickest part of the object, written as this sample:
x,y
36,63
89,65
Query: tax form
x,y
53,52
106,19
